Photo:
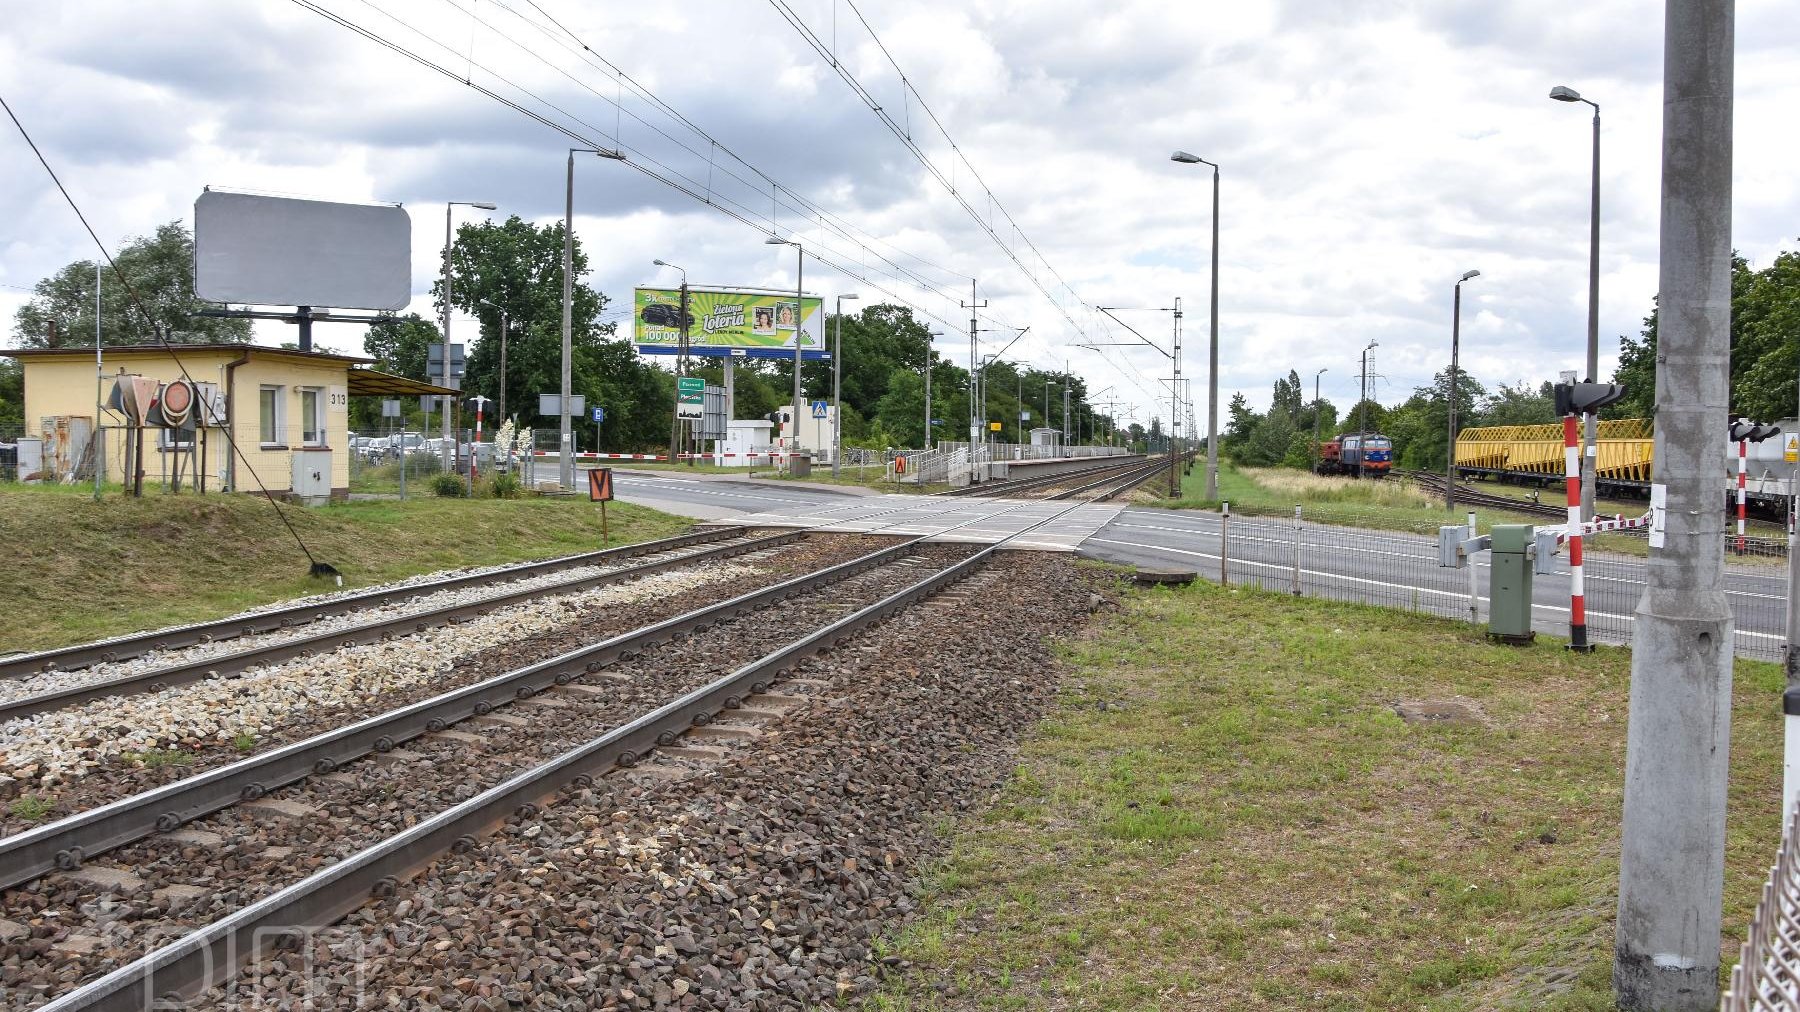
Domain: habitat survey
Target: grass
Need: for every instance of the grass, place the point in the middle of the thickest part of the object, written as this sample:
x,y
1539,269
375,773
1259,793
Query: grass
x,y
82,570
1225,812
31,808
157,758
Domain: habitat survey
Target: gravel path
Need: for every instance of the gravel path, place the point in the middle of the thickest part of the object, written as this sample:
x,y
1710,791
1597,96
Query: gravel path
x,y
78,925
316,694
55,681
755,881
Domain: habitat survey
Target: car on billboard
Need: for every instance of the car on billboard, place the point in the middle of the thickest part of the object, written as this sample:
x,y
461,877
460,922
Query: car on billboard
x,y
659,315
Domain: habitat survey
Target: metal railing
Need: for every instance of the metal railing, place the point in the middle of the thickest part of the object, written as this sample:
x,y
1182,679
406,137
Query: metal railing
x,y
1767,976
1397,569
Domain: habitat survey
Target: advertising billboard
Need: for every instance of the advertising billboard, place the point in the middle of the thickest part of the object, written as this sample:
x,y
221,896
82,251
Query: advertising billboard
x,y
286,251
722,322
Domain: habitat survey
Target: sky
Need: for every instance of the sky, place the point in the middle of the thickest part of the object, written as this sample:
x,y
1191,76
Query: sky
x,y
1371,153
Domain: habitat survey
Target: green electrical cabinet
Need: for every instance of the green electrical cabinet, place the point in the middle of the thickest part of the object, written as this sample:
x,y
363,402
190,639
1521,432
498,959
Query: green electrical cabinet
x,y
1509,583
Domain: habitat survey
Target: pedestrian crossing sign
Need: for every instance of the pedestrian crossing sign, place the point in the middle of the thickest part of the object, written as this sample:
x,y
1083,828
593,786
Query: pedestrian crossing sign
x,y
819,409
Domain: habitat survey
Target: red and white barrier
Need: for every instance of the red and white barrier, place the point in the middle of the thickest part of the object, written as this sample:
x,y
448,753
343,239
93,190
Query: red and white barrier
x,y
1577,589
772,455
1743,461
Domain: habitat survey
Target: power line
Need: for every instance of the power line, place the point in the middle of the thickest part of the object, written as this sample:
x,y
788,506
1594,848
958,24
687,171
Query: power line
x,y
317,568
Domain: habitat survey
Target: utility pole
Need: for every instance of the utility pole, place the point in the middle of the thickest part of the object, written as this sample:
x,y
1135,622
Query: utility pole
x,y
1318,411
928,353
975,426
1450,439
1066,390
1677,748
1790,698
1175,406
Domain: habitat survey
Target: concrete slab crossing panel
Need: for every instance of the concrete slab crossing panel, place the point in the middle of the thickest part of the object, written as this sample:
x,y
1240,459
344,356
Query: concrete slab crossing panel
x,y
963,520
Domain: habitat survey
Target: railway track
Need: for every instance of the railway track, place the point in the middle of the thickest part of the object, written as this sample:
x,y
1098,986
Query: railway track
x,y
277,619
871,587
1083,478
1434,483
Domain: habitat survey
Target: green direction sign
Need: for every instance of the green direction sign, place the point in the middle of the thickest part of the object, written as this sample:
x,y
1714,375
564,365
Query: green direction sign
x,y
690,397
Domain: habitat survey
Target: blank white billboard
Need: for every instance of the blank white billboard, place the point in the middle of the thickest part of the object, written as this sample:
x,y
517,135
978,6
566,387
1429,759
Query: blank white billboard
x,y
286,251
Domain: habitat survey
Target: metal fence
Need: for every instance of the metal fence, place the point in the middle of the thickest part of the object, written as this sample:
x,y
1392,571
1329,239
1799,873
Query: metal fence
x,y
9,450
1401,570
1767,976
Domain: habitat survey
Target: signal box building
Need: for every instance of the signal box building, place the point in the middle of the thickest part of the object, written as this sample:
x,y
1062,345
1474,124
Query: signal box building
x,y
287,410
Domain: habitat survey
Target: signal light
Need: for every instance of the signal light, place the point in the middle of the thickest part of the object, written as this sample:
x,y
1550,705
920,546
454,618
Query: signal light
x,y
1586,398
1762,432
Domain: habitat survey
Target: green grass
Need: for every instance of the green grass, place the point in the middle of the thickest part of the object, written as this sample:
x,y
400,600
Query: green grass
x,y
1246,823
81,570
31,808
157,758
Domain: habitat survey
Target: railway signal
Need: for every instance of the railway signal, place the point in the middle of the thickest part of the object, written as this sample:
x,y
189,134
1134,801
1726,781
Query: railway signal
x,y
1573,400
1743,433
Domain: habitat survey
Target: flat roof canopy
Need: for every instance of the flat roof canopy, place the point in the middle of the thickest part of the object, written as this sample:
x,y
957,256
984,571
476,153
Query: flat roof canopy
x,y
371,383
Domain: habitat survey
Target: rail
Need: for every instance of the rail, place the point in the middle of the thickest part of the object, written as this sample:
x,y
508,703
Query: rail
x,y
137,644
213,952
225,665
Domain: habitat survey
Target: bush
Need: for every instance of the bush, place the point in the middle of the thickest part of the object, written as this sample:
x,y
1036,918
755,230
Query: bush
x,y
448,485
505,486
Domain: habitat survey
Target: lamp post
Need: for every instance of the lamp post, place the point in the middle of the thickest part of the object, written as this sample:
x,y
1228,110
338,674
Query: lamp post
x,y
445,377
837,379
799,316
566,436
503,324
929,337
681,366
1563,94
1450,442
1362,412
1317,411
1212,390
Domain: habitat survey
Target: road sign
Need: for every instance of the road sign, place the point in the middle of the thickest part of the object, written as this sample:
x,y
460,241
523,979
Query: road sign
x,y
820,409
390,407
690,397
1792,453
994,426
600,485
599,414
434,361
548,404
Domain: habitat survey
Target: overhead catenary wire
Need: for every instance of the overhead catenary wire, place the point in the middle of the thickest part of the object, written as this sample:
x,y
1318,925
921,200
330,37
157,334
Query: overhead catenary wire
x,y
316,567
593,138
588,134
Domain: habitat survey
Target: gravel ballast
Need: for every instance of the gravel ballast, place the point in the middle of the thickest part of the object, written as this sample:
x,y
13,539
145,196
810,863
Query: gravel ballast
x,y
757,880
77,927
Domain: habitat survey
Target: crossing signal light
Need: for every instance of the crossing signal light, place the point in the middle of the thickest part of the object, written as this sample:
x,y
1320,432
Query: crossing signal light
x,y
1586,398
1748,431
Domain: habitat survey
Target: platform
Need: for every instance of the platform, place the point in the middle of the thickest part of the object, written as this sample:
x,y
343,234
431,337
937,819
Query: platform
x,y
988,520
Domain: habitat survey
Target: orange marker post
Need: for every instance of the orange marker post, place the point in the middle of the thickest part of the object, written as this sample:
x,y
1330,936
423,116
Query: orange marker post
x,y
600,490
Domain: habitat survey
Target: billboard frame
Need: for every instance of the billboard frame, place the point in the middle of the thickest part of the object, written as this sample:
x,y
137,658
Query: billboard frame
x,y
812,323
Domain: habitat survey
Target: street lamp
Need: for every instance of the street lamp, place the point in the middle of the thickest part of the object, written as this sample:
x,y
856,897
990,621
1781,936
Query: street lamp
x,y
1212,391
837,380
1450,441
1565,94
445,377
799,316
503,334
1316,411
681,366
566,436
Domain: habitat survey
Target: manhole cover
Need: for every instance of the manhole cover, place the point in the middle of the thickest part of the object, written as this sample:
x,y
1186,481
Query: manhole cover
x,y
1437,711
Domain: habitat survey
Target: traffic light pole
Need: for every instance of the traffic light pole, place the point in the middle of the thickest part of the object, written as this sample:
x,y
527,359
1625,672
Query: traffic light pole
x,y
1677,752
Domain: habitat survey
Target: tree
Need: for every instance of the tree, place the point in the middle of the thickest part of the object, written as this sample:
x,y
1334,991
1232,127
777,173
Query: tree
x,y
1366,416
518,266
1289,398
399,345
1520,405
160,268
1240,421
12,392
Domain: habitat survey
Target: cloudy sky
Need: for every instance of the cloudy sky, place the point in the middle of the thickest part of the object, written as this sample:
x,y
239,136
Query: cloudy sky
x,y
1372,151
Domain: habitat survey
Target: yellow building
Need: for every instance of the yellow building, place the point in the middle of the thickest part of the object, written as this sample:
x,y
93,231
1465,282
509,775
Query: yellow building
x,y
287,413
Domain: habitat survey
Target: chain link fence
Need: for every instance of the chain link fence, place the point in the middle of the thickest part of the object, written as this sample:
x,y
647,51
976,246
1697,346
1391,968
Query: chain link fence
x,y
1767,976
1401,570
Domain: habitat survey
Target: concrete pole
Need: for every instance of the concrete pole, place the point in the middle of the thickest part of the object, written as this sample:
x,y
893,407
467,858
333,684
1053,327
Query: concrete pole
x,y
1672,853
799,332
1450,439
1588,459
504,322
566,440
444,380
927,446
1790,698
1212,380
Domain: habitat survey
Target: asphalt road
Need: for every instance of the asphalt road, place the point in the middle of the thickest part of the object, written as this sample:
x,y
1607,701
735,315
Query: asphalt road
x,y
1377,567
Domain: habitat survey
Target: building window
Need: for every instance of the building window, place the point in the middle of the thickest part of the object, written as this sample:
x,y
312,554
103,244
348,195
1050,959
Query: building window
x,y
271,416
312,417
